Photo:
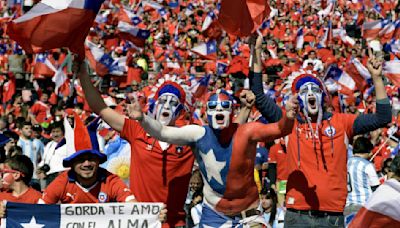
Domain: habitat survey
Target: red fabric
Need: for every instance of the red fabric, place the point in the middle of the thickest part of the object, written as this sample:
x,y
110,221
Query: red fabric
x,y
278,155
9,89
41,111
30,196
325,168
81,135
238,64
43,32
61,190
242,17
162,176
371,219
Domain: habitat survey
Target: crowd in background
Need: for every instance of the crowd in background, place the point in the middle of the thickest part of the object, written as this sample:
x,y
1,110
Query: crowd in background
x,y
33,107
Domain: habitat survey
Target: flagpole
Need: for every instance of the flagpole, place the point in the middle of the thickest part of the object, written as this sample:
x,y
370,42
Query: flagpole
x,y
71,91
71,88
380,148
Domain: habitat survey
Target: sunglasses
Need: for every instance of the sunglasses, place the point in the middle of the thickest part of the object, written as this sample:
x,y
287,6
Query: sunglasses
x,y
212,105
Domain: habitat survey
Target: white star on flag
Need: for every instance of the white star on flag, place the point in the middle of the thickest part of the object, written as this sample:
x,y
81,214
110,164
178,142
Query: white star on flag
x,y
213,166
32,224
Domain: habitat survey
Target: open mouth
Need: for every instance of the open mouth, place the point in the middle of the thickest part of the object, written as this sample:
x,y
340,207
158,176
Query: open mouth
x,y
220,118
312,102
165,114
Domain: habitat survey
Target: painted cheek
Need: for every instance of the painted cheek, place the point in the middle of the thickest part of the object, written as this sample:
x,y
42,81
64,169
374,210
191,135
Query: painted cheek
x,y
7,180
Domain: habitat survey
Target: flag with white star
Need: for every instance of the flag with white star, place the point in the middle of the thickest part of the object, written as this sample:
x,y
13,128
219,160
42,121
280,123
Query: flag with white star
x,y
21,215
207,50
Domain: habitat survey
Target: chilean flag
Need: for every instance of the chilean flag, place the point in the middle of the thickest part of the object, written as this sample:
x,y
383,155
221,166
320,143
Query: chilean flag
x,y
54,24
43,66
386,34
208,20
357,73
327,37
135,35
98,60
396,34
371,29
189,9
300,39
199,86
341,77
128,16
393,47
382,209
243,17
391,70
222,68
207,50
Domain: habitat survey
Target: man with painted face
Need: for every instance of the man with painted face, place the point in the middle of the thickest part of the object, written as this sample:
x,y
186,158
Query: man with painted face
x,y
225,153
317,147
159,171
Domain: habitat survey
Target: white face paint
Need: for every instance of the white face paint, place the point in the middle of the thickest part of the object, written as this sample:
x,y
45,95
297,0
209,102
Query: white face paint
x,y
219,113
311,95
166,108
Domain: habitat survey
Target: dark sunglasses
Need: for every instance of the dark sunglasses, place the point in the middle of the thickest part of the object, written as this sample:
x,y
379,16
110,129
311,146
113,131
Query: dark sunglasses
x,y
211,105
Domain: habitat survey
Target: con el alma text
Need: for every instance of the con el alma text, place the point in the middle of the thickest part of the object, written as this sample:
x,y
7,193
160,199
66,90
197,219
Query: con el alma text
x,y
118,223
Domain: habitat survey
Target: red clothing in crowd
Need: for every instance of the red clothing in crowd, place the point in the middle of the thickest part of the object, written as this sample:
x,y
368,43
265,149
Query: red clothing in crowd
x,y
41,111
30,196
278,155
324,189
109,188
158,175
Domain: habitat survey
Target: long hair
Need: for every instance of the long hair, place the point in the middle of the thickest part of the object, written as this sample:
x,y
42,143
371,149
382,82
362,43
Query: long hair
x,y
270,193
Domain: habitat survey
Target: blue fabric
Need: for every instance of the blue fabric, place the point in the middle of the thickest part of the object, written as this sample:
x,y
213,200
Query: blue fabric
x,y
211,218
46,215
67,162
93,5
113,149
261,155
269,110
170,89
209,144
365,123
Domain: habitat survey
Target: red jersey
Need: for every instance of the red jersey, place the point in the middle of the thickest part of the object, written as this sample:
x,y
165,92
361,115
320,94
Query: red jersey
x,y
41,111
109,188
318,173
30,196
158,175
278,155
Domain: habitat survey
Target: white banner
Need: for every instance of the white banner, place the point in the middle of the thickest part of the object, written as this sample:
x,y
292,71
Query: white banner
x,y
107,215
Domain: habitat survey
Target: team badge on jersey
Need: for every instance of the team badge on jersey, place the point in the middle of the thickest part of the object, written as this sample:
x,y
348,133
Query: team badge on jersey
x,y
330,131
102,197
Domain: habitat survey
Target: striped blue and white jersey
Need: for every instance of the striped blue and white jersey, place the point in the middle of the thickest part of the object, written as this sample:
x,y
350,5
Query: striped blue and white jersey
x,y
33,148
361,175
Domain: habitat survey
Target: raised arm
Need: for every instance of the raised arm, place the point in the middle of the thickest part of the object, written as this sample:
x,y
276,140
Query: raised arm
x,y
264,104
96,102
174,135
259,132
247,100
368,122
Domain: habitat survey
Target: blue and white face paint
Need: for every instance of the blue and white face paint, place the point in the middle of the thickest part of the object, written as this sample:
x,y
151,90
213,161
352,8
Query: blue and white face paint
x,y
310,96
219,111
167,108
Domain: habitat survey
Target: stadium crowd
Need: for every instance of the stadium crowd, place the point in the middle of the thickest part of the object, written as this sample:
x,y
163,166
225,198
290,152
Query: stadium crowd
x,y
343,147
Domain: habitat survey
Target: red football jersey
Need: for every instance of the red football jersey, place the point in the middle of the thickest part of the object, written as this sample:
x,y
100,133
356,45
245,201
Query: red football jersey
x,y
64,189
30,196
158,175
318,168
